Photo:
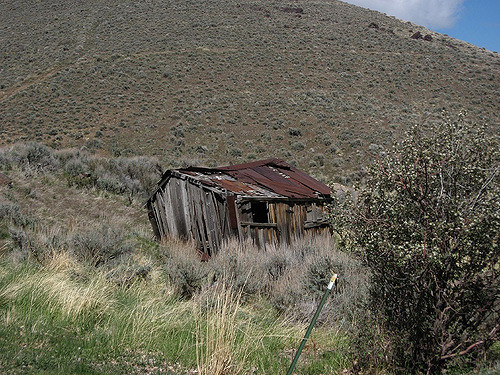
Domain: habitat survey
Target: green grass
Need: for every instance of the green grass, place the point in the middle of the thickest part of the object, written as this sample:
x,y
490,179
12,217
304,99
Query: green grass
x,y
59,314
52,322
67,317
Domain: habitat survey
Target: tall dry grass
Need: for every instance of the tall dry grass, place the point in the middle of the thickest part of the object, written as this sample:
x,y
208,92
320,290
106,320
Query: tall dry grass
x,y
234,336
53,289
221,329
220,340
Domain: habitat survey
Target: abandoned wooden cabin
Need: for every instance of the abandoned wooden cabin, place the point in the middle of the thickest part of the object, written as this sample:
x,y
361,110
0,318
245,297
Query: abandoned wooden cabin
x,y
267,201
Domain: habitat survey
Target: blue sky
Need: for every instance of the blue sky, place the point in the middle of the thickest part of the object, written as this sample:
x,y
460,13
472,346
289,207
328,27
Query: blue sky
x,y
478,23
475,21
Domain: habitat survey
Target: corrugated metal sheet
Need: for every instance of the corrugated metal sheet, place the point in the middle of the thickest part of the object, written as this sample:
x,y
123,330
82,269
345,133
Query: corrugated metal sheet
x,y
270,178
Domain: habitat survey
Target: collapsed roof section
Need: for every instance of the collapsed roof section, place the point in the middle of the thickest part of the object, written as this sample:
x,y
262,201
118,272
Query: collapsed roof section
x,y
271,178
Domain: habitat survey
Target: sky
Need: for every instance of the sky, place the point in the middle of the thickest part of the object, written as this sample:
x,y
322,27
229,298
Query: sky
x,y
474,21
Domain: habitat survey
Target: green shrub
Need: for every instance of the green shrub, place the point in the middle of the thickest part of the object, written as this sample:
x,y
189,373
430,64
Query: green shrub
x,y
234,151
318,274
36,244
6,160
241,269
35,156
427,226
19,238
76,166
298,146
126,275
110,183
101,245
12,212
188,275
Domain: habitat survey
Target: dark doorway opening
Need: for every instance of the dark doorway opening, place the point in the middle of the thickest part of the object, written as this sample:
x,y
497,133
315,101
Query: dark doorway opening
x,y
259,212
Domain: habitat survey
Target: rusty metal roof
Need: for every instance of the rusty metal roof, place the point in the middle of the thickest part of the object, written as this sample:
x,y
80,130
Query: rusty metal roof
x,y
269,178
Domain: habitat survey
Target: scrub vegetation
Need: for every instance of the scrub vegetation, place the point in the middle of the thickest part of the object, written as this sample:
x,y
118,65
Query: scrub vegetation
x,y
85,289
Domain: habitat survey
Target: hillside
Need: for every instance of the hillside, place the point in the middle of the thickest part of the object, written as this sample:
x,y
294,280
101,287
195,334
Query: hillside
x,y
324,84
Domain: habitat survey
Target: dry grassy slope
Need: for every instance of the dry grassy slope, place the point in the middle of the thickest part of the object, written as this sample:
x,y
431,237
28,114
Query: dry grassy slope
x,y
57,205
223,81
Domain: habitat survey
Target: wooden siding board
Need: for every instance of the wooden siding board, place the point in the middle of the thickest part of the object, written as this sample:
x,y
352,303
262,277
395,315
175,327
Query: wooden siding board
x,y
259,225
227,231
273,215
245,211
193,224
186,209
213,219
231,205
172,218
201,220
156,218
218,224
164,211
302,219
237,211
261,237
276,234
282,221
202,230
152,220
156,210
208,219
222,211
177,203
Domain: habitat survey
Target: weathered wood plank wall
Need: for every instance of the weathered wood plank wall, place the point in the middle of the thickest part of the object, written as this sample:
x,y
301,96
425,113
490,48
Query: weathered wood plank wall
x,y
287,221
184,209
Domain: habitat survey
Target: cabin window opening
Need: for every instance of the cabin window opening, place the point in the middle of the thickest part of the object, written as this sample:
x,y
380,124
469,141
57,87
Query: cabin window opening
x,y
259,212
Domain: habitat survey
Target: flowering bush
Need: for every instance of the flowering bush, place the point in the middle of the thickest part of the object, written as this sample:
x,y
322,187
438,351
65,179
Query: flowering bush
x,y
427,226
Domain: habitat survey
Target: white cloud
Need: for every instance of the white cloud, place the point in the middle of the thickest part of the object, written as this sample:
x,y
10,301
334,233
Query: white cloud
x,y
430,13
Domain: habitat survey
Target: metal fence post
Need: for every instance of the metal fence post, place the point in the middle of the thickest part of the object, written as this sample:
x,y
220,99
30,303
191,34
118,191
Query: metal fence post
x,y
333,281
